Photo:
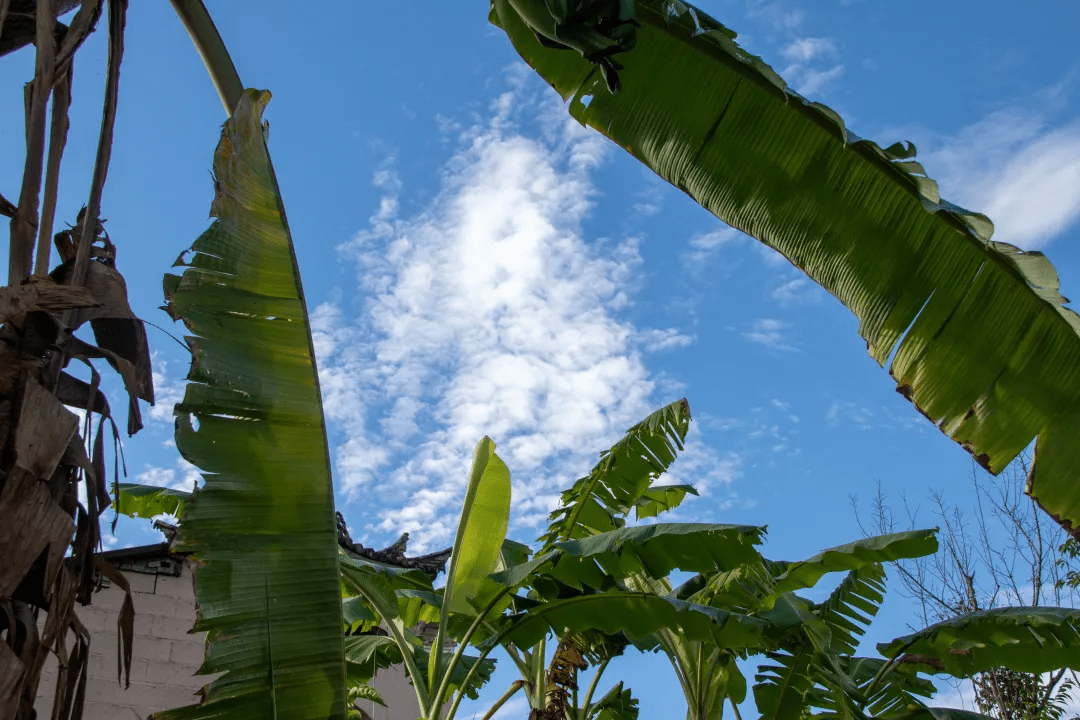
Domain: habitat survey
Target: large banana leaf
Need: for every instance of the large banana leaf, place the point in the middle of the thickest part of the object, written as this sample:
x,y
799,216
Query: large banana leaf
x,y
263,526
654,550
1025,639
980,338
635,614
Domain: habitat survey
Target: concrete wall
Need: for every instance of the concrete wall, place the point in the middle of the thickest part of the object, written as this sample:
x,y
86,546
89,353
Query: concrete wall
x,y
164,656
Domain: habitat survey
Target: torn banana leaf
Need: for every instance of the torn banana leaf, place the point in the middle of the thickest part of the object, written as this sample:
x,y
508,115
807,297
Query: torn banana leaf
x,y
146,501
978,335
262,527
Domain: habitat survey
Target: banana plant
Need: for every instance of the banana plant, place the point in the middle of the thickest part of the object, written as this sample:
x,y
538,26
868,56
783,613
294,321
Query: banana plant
x,y
478,542
979,336
480,604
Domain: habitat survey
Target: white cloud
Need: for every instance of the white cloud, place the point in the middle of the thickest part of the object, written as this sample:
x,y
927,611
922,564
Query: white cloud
x,y
796,291
513,709
770,332
167,392
1021,172
182,476
780,15
801,53
657,340
806,49
706,246
809,81
841,412
488,313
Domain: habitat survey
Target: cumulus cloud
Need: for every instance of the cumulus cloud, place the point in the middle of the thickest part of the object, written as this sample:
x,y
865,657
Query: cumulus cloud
x,y
1019,170
488,312
182,476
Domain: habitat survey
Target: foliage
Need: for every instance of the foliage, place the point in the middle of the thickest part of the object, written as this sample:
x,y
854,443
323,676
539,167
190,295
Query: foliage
x,y
980,338
1003,553
262,527
146,501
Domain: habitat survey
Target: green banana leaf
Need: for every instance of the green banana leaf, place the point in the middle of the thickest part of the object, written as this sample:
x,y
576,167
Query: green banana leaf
x,y
620,482
851,607
654,550
367,654
661,498
481,531
939,714
635,614
617,704
263,525
881,548
1025,639
904,688
980,338
146,501
781,687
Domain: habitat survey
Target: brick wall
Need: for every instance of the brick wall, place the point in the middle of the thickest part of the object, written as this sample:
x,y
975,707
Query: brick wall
x,y
164,655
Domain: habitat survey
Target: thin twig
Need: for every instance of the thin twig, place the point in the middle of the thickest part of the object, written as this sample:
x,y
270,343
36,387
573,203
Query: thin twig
x,y
58,131
24,224
117,19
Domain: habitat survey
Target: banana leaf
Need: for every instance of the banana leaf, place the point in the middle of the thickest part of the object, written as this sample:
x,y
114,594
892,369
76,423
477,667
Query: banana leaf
x,y
881,548
1025,639
635,614
262,527
146,501
654,550
978,334
940,714
620,482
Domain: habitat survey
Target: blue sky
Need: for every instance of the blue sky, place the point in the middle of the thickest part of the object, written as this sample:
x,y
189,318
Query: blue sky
x,y
477,263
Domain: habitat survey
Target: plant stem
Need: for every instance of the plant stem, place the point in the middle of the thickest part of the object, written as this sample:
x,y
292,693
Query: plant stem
x,y
445,681
211,48
58,131
592,688
24,224
735,708
540,686
514,687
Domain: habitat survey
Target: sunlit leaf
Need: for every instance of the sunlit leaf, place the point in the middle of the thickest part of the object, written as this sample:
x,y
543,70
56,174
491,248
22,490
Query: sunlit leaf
x,y
263,527
977,331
